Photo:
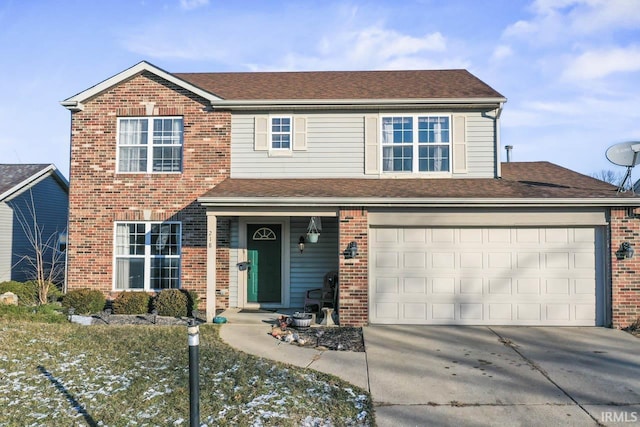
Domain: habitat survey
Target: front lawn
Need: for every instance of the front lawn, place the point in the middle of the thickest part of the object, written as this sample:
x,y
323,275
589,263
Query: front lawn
x,y
68,374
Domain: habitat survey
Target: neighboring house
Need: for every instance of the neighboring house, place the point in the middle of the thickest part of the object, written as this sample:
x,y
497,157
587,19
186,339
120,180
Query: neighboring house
x,y
209,181
25,190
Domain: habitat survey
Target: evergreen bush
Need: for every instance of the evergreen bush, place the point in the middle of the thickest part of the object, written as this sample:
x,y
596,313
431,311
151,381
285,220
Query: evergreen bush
x,y
84,301
27,293
131,303
172,302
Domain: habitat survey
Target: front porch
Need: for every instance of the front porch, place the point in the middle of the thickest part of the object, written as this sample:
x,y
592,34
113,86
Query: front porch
x,y
265,261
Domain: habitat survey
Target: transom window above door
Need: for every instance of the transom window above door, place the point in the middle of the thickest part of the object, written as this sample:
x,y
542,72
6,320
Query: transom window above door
x,y
150,144
416,143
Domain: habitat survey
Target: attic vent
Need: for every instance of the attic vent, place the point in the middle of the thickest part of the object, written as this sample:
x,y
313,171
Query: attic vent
x,y
508,148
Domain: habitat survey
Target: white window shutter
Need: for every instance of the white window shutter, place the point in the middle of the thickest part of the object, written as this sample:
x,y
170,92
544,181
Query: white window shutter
x,y
261,133
372,150
299,133
459,145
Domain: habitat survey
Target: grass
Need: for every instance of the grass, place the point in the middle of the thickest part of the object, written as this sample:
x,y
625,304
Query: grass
x,y
69,374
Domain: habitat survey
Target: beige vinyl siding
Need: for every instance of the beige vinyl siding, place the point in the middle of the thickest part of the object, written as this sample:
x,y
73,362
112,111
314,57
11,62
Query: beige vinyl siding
x,y
308,268
6,246
481,153
334,148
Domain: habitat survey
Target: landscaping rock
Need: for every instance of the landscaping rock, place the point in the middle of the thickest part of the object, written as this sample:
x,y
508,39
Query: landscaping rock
x,y
9,298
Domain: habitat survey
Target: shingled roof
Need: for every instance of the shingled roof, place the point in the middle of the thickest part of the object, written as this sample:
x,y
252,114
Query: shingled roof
x,y
324,85
12,176
520,180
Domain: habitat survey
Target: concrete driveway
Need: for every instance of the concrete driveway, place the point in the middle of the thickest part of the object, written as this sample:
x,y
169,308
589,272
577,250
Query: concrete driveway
x,y
473,376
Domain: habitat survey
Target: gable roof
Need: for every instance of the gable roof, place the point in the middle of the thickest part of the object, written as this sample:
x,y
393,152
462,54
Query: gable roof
x,y
15,177
308,85
314,87
522,183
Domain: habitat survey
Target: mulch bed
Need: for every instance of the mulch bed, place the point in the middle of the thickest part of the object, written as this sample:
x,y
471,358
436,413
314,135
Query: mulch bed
x,y
338,338
138,319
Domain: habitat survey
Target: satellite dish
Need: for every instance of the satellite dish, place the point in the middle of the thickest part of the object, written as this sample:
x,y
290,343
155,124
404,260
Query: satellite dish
x,y
624,153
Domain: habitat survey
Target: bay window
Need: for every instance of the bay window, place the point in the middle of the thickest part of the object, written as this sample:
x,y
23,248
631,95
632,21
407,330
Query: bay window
x,y
147,255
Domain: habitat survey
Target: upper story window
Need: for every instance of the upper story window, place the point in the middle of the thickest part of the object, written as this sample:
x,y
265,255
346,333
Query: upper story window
x,y
147,255
281,133
416,143
150,144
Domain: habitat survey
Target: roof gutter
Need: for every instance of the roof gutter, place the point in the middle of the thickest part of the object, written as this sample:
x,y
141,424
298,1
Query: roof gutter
x,y
369,103
412,202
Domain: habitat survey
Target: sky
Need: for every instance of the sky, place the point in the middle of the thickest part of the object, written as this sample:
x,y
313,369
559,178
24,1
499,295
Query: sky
x,y
570,69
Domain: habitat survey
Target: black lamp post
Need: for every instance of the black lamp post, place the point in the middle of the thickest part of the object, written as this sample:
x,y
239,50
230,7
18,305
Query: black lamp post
x,y
193,330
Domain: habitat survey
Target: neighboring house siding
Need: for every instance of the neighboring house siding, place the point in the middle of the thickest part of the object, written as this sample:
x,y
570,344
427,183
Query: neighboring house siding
x,y
336,148
99,196
50,202
309,267
6,247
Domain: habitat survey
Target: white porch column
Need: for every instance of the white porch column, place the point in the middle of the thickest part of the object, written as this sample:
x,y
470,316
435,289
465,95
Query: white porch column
x,y
212,228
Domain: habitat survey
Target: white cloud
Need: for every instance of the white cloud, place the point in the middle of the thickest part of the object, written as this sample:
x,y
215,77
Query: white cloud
x,y
193,4
554,20
501,52
600,63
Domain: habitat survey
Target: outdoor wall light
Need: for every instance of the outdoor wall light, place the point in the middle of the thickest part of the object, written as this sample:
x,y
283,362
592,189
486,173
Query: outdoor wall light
x,y
351,251
625,251
301,244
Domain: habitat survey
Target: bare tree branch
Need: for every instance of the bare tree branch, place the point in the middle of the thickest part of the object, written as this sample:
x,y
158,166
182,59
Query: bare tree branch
x,y
46,262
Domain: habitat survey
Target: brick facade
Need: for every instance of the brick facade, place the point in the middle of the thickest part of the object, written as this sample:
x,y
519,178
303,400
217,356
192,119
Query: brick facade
x,y
353,273
625,273
99,196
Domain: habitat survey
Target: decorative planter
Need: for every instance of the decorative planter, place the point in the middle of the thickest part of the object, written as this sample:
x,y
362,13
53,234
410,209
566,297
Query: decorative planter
x,y
301,320
313,237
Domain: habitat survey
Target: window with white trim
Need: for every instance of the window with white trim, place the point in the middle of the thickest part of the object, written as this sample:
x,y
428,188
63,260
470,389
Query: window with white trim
x,y
280,133
147,255
150,144
416,143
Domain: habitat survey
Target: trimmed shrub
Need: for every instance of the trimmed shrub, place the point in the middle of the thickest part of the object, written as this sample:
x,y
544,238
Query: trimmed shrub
x,y
193,301
84,301
172,302
27,292
131,303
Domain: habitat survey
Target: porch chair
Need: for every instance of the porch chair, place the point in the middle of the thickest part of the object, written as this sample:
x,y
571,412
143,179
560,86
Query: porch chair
x,y
325,296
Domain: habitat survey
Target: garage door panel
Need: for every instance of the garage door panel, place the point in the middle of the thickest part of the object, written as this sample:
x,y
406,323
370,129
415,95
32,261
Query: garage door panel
x,y
414,259
471,312
500,276
471,285
529,312
528,286
386,260
443,285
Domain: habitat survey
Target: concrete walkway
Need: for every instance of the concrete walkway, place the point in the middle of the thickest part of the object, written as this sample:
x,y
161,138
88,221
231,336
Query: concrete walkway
x,y
474,376
249,332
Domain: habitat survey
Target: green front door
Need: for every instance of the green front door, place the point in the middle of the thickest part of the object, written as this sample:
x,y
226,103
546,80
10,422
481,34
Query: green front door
x,y
264,250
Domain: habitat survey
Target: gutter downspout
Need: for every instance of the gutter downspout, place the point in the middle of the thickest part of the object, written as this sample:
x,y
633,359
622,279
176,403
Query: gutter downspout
x,y
498,144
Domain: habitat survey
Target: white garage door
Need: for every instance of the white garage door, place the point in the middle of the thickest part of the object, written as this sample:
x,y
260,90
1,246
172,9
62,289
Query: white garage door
x,y
483,276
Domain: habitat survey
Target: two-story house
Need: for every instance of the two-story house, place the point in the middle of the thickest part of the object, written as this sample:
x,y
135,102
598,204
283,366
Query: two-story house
x,y
215,182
